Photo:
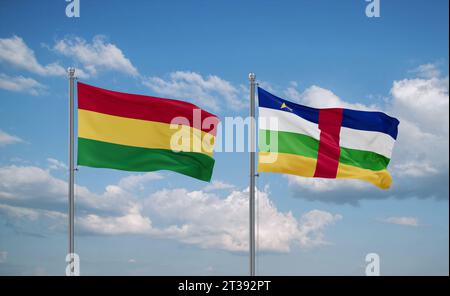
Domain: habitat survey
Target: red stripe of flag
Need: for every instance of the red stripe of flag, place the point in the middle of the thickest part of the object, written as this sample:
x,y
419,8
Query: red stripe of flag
x,y
143,107
330,121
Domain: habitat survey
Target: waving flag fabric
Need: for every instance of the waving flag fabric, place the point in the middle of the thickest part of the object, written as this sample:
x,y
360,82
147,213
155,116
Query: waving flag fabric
x,y
325,143
133,132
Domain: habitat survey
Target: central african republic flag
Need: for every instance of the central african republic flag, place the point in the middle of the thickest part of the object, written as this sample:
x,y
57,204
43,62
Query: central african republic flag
x,y
325,143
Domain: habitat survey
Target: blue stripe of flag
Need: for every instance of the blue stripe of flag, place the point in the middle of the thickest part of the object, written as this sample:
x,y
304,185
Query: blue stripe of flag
x,y
268,100
360,120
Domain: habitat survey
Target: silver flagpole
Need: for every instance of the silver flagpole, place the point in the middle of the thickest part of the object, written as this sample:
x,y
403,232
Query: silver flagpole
x,y
71,72
252,78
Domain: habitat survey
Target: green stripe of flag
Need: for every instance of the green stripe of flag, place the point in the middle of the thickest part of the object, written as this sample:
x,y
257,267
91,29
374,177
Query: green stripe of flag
x,y
108,155
363,159
299,144
291,143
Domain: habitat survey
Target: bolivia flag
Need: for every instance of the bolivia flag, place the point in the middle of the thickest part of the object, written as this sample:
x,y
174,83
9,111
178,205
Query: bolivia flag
x,y
134,133
325,143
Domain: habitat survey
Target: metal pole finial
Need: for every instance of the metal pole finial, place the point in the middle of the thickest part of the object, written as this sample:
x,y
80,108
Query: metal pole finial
x,y
251,76
71,71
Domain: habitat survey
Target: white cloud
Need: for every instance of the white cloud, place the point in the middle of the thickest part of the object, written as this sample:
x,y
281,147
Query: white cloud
x,y
427,71
138,181
312,224
19,212
192,217
34,186
7,139
99,55
54,164
27,182
318,97
32,214
405,221
130,223
3,256
424,102
422,106
21,84
206,220
324,185
417,149
218,185
15,52
209,92
414,169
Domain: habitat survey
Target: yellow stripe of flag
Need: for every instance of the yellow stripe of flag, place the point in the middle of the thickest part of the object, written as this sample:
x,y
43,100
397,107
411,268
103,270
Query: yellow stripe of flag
x,y
142,133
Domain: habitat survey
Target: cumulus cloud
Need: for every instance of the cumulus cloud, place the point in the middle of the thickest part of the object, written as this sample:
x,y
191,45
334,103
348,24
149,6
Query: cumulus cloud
x,y
324,185
206,220
54,164
32,221
311,225
414,169
404,221
197,218
131,222
420,159
16,183
98,55
318,97
419,153
424,102
137,181
7,139
209,92
427,71
218,185
21,84
422,148
15,52
29,213
35,187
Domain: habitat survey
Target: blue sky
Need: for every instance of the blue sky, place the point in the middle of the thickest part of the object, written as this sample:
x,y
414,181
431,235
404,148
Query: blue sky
x,y
320,53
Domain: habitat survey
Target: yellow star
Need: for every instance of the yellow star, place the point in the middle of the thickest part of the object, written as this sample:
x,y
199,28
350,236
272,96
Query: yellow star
x,y
284,106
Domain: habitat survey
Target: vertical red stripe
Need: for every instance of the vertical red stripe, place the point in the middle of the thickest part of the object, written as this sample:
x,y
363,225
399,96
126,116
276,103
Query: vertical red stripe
x,y
330,121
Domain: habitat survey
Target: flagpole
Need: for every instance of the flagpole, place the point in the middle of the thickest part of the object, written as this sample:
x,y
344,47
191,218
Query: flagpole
x,y
252,78
71,72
